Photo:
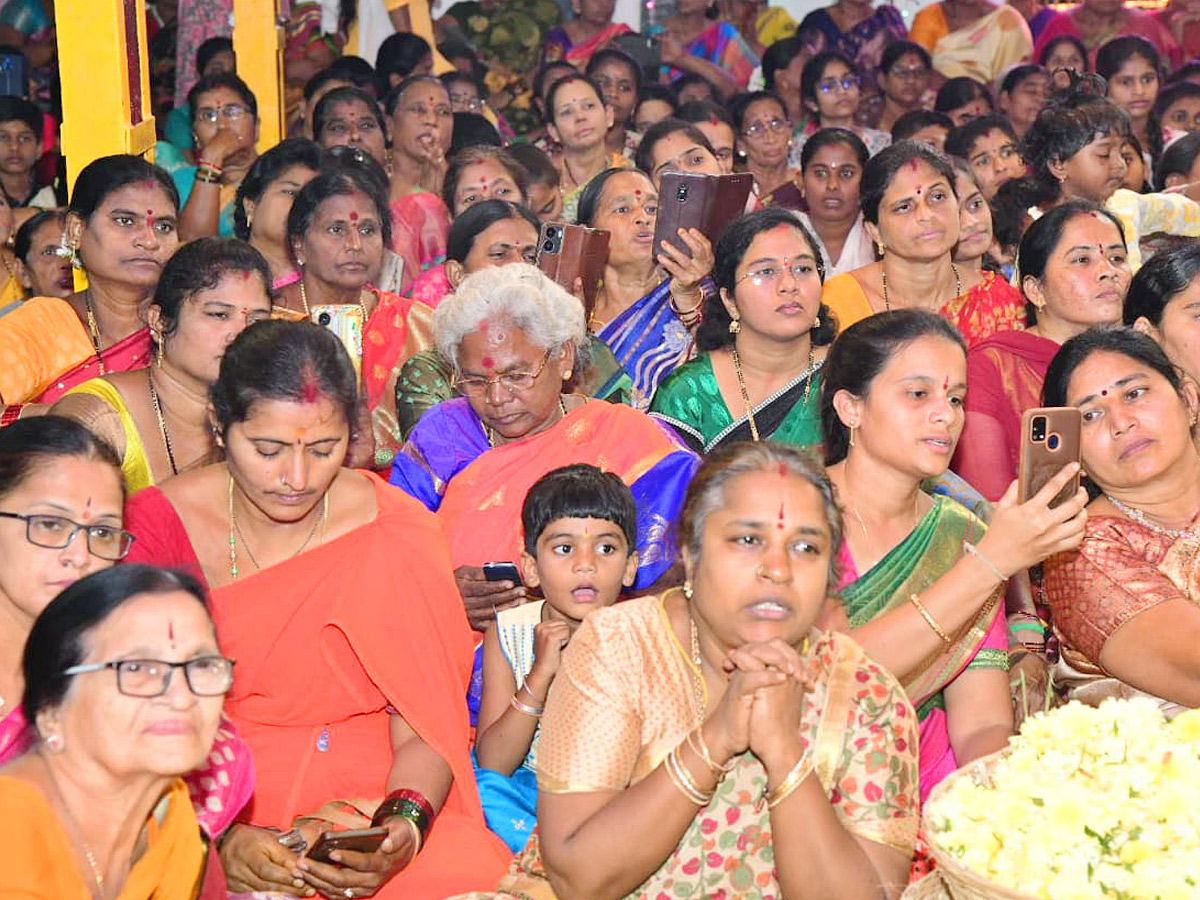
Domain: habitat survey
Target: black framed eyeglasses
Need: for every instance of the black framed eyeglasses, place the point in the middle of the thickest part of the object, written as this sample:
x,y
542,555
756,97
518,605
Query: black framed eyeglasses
x,y
206,676
57,532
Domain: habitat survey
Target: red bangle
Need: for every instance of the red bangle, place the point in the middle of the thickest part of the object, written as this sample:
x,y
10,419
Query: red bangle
x,y
11,414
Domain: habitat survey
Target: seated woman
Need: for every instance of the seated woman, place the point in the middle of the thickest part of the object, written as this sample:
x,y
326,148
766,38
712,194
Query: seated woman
x,y
225,123
650,297
1162,302
489,234
911,212
977,39
712,736
763,342
577,39
40,267
516,338
121,230
921,577
1124,605
831,169
338,228
103,774
578,121
620,79
693,44
830,91
350,117
764,139
1074,275
302,556
264,199
672,145
157,418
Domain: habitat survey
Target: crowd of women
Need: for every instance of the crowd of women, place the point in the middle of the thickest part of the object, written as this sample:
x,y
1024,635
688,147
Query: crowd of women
x,y
695,584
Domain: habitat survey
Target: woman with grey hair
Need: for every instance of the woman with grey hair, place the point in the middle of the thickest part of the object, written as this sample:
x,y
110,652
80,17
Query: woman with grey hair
x,y
515,339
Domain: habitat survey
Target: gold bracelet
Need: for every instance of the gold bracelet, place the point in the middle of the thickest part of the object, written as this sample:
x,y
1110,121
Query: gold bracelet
x,y
801,770
700,747
691,309
535,711
683,779
937,629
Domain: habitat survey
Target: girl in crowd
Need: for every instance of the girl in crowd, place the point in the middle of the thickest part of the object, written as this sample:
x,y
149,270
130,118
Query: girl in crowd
x,y
655,766
1132,68
655,102
327,706
912,213
829,88
903,79
620,80
715,123
1073,151
1022,95
972,38
225,125
831,167
1163,301
157,418
1125,604
515,339
579,120
349,116
264,200
338,228
764,137
121,230
591,29
963,99
1063,57
763,342
114,734
651,297
974,221
1074,274
990,145
921,577
422,122
41,268
694,44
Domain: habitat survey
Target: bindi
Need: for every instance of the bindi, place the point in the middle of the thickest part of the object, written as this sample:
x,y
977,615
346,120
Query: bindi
x,y
150,217
946,383
353,217
1104,393
488,363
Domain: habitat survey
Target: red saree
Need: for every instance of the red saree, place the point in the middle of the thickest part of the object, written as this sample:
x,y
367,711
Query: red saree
x,y
992,305
327,649
398,329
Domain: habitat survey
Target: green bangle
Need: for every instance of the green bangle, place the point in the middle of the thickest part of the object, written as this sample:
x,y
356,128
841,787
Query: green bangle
x,y
1027,626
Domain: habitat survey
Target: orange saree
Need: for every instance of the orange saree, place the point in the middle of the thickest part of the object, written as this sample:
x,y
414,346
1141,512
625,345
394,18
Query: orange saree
x,y
398,329
327,650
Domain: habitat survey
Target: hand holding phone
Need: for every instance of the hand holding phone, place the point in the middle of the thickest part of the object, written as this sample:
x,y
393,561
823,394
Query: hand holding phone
x,y
570,253
364,840
1049,440
502,571
694,200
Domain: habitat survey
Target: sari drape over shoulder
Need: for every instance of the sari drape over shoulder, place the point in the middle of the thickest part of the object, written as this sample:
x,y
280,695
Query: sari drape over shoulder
x,y
722,45
135,464
914,564
478,492
329,646
398,329
649,340
420,227
624,697
39,854
981,50
559,45
690,401
45,351
1121,569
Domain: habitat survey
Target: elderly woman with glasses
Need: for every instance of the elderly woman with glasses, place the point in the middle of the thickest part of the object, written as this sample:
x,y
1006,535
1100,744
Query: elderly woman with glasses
x,y
96,807
764,140
516,340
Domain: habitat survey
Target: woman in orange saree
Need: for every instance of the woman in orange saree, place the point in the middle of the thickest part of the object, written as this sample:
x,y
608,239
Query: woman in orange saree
x,y
342,721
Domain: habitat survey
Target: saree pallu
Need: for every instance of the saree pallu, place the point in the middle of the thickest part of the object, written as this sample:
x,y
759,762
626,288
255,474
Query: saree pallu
x,y
690,401
478,492
330,645
559,45
1120,570
722,45
910,567
649,340
981,50
420,227
624,697
39,855
398,329
45,351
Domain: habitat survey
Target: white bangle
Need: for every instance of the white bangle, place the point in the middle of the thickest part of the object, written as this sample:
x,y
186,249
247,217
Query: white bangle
x,y
978,554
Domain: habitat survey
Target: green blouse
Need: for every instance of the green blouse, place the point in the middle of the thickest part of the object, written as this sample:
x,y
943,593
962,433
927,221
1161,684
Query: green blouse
x,y
690,401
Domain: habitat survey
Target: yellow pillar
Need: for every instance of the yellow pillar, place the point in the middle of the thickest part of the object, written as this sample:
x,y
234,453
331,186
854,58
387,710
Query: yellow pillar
x,y
258,43
102,59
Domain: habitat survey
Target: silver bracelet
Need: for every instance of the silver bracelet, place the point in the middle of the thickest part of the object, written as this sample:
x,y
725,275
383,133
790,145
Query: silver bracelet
x,y
975,552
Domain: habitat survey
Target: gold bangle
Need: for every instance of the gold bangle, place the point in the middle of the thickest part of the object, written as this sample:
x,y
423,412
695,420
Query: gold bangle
x,y
416,837
535,711
700,747
683,779
937,629
801,770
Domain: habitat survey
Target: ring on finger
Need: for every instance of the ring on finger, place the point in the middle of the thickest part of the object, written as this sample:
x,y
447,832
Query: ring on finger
x,y
348,892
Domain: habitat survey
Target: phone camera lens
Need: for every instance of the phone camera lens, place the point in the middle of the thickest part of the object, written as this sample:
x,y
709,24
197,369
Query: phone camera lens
x,y
548,246
1053,442
1038,428
682,193
324,319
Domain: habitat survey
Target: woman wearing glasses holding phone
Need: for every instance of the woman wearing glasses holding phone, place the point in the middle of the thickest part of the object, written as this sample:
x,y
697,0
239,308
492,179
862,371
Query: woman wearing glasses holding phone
x,y
96,807
764,139
225,123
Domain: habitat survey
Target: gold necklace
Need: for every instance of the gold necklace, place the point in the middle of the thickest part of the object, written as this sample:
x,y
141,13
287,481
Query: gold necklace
x,y
698,686
236,529
162,424
308,315
491,435
741,377
858,515
883,277
73,825
93,328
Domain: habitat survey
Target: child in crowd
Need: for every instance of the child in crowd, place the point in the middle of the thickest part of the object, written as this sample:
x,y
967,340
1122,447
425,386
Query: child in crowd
x,y
829,90
580,533
1131,65
989,145
20,148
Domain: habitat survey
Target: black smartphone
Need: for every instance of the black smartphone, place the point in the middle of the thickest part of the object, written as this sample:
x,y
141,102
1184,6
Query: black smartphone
x,y
502,571
366,840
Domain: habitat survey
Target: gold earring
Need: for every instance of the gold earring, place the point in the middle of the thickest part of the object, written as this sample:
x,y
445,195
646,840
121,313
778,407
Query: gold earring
x,y
881,248
567,374
817,321
687,590
853,428
735,325
158,352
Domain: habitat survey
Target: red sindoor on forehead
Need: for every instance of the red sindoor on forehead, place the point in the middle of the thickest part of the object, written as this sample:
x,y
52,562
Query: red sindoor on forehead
x,y
171,634
946,383
488,362
353,216
310,388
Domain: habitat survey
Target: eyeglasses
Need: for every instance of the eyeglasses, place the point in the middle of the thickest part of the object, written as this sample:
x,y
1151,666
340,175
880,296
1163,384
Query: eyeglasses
x,y
206,676
466,103
230,111
829,85
774,126
769,273
910,72
513,382
56,533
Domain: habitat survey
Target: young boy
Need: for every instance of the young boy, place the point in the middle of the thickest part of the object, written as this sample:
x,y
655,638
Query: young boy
x,y
580,532
20,147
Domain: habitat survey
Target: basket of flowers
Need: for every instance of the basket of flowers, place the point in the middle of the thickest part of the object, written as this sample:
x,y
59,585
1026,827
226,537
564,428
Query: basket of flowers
x,y
1086,803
